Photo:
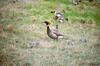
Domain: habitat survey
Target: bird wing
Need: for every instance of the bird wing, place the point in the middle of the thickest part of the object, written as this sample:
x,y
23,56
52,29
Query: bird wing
x,y
55,31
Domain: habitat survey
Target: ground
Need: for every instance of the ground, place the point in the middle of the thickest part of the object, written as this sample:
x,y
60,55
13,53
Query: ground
x,y
23,38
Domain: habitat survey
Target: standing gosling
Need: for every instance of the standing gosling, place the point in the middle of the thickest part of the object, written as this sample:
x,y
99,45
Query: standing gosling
x,y
59,16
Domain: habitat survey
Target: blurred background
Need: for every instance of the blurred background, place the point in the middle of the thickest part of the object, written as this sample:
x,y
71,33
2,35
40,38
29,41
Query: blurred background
x,y
24,40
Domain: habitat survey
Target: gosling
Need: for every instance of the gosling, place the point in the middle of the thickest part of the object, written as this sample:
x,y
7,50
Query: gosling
x,y
59,16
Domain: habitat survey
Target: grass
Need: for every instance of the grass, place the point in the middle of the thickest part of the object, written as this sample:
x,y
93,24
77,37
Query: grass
x,y
80,46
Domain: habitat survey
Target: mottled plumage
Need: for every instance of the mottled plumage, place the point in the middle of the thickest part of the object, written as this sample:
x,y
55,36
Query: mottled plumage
x,y
52,33
59,16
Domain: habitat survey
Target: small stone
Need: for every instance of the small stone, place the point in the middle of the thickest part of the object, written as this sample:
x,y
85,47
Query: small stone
x,y
83,40
33,44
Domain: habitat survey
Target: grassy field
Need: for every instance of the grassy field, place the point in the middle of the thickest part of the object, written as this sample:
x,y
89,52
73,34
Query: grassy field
x,y
21,26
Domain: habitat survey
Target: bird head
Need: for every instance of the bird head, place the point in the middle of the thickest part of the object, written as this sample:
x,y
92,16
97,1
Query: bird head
x,y
52,11
47,23
66,19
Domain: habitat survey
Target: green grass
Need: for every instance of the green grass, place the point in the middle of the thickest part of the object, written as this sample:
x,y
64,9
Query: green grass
x,y
96,17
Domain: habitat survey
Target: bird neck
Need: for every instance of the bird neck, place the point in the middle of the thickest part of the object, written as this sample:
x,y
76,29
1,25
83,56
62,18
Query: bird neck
x,y
48,29
56,26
